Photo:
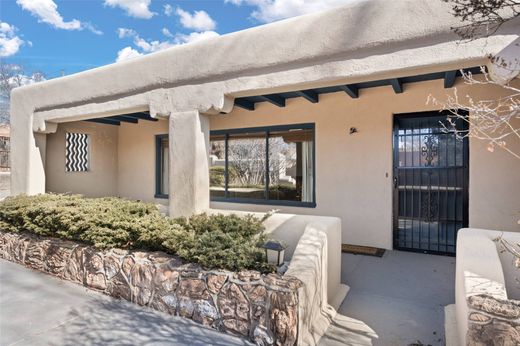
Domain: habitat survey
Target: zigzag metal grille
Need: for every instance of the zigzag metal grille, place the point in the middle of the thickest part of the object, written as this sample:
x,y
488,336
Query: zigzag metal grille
x,y
76,152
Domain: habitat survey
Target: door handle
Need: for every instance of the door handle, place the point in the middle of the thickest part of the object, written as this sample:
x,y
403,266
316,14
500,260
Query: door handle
x,y
395,182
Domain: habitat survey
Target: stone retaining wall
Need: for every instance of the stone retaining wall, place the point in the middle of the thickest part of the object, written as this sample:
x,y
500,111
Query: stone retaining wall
x,y
493,322
262,308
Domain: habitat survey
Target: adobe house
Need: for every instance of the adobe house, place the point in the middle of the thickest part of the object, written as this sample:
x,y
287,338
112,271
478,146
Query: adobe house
x,y
324,114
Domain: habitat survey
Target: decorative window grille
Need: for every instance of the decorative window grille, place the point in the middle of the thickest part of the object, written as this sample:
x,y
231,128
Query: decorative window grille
x,y
77,146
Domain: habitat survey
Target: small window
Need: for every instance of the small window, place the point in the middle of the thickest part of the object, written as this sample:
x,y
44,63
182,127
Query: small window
x,y
268,165
77,152
161,166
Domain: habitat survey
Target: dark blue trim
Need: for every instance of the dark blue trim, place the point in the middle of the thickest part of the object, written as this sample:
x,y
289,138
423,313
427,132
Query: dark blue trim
x,y
397,85
309,95
353,89
158,163
265,202
123,118
449,79
267,130
276,100
104,121
246,104
129,118
305,126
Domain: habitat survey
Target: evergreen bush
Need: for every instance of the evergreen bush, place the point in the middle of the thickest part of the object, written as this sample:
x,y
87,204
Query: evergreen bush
x,y
214,241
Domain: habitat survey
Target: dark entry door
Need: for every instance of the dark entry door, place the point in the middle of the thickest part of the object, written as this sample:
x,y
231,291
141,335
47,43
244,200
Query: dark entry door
x,y
430,183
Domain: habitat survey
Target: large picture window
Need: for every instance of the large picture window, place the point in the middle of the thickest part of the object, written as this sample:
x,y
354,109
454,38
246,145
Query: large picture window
x,y
268,165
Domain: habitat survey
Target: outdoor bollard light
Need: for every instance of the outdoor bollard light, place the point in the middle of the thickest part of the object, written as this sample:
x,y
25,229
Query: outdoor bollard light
x,y
274,251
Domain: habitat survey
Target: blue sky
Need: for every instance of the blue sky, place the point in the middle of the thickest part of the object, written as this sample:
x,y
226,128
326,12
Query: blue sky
x,y
75,35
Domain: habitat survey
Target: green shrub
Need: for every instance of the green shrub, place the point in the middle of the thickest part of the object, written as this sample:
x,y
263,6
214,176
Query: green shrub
x,y
216,176
214,241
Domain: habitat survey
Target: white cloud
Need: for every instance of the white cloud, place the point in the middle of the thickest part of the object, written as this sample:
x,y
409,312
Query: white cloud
x,y
124,32
144,45
167,33
9,42
271,10
127,53
194,37
168,10
133,8
47,12
198,20
149,46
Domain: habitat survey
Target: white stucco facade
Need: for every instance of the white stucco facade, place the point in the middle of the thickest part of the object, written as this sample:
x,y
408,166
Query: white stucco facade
x,y
188,87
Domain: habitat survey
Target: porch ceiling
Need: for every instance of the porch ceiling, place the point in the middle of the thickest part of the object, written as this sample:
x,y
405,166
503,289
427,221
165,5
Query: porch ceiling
x,y
352,90
128,118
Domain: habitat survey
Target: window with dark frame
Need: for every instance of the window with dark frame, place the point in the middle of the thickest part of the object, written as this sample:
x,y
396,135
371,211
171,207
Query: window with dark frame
x,y
161,166
265,165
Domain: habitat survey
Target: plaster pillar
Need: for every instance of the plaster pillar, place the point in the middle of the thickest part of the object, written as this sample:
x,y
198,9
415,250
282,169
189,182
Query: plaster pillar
x,y
189,169
27,168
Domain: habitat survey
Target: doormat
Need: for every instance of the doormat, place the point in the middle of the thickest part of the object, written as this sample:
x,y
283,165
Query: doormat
x,y
362,250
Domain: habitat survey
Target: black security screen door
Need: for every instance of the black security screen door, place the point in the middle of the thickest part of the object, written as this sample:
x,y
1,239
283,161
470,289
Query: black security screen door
x,y
430,183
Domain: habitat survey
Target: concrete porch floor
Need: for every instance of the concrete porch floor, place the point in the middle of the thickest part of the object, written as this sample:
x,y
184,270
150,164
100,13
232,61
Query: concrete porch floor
x,y
398,299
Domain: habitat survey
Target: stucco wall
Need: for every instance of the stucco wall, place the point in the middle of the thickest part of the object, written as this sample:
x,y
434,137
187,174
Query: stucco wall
x,y
354,172
101,179
122,160
136,164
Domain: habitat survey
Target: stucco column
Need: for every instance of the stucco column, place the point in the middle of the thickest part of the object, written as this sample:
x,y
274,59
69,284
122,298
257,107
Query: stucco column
x,y
189,176
27,168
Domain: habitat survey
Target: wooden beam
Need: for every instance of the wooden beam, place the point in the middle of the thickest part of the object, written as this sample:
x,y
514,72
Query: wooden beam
x,y
246,104
141,115
397,84
275,99
351,90
449,79
104,121
310,95
123,118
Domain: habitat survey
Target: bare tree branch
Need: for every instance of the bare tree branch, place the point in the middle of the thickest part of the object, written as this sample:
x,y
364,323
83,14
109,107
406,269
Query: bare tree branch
x,y
482,18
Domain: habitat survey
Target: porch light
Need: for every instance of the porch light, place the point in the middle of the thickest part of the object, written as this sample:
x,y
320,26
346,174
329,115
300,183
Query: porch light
x,y
274,251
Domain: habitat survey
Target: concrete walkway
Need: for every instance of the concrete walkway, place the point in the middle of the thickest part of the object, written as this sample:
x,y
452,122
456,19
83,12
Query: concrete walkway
x,y
395,300
38,309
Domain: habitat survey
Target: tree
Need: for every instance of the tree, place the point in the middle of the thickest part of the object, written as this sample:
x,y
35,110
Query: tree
x,y
494,120
13,76
483,18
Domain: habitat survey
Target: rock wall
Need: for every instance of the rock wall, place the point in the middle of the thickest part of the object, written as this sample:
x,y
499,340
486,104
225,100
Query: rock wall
x,y
493,322
262,308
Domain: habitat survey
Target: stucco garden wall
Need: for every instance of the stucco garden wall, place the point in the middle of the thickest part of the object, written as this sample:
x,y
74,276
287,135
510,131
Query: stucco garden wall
x,y
487,309
102,177
354,172
262,308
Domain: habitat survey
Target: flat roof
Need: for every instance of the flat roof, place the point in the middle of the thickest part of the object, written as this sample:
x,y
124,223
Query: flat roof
x,y
407,33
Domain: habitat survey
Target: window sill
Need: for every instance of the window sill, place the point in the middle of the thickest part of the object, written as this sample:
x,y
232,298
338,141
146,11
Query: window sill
x,y
264,202
161,196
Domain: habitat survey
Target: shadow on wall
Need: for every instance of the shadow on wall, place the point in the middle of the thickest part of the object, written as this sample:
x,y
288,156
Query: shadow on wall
x,y
345,328
109,322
